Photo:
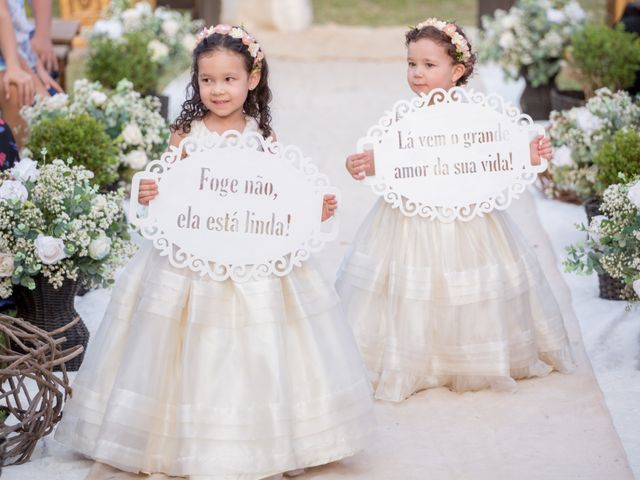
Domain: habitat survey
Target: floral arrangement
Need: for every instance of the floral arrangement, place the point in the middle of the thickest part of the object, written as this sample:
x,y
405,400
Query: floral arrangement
x,y
578,134
613,246
132,121
54,223
531,37
172,33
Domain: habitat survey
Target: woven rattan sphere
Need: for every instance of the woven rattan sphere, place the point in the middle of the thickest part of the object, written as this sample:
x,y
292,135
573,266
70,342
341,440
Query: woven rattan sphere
x,y
30,392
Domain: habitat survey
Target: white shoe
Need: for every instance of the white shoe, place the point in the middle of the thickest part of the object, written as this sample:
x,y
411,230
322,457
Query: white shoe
x,y
294,473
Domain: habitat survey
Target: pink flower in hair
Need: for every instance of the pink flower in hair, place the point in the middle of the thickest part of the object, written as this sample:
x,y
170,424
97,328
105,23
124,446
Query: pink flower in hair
x,y
450,29
222,29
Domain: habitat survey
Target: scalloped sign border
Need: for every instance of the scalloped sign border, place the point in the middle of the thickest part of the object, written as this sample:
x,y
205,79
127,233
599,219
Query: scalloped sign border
x,y
273,192
465,128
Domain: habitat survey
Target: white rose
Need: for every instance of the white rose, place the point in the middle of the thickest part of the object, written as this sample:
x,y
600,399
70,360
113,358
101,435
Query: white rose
x,y
132,134
575,12
189,42
49,249
136,159
636,286
170,27
587,121
562,157
25,170
634,195
555,16
595,230
6,264
158,50
110,28
98,98
13,190
58,100
100,247
507,40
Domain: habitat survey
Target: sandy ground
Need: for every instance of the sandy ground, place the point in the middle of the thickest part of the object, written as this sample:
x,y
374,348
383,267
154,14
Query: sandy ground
x,y
556,427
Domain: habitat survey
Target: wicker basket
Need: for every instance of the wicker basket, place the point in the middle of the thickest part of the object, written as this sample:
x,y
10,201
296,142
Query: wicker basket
x,y
50,309
592,208
610,288
566,100
536,101
545,180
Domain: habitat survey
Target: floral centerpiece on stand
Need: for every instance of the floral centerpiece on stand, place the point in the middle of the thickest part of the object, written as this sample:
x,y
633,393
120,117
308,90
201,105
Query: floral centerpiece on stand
x,y
531,37
613,246
57,230
530,41
168,35
133,122
578,134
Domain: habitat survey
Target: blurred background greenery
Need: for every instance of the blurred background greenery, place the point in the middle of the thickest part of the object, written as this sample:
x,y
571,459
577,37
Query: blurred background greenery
x,y
409,12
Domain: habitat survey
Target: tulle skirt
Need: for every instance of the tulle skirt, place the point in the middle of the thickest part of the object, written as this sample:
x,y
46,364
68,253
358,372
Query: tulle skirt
x,y
189,376
461,304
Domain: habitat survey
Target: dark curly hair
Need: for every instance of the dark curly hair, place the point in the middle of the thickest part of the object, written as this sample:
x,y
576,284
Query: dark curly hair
x,y
443,39
257,103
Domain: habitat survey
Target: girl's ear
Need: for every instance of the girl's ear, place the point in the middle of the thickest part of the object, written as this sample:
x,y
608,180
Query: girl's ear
x,y
254,79
458,72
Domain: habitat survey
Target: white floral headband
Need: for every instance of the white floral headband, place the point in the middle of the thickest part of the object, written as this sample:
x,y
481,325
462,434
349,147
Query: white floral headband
x,y
241,34
463,52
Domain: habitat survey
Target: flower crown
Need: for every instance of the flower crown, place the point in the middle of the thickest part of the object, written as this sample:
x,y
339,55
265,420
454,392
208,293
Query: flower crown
x,y
463,52
241,34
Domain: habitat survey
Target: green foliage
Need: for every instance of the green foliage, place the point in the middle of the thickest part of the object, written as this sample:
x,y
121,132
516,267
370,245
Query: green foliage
x,y
128,57
613,243
618,156
605,57
81,137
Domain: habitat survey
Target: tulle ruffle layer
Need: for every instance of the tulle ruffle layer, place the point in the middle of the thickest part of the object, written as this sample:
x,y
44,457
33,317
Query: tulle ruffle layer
x,y
463,304
233,381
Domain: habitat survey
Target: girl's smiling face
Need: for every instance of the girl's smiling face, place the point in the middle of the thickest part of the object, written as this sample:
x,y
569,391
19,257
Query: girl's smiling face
x,y
224,82
429,66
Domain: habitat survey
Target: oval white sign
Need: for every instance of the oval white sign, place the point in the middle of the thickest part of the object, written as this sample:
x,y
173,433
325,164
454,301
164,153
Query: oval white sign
x,y
452,154
235,206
